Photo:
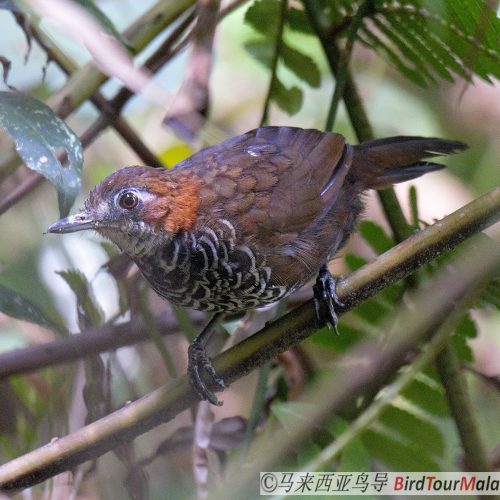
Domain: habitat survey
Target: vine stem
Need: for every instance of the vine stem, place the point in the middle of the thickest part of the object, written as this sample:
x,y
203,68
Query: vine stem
x,y
461,408
342,72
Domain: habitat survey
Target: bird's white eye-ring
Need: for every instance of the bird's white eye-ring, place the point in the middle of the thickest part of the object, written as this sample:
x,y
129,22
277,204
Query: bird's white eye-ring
x,y
128,200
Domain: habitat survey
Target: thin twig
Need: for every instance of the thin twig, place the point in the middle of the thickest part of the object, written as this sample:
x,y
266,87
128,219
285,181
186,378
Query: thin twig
x,y
274,63
190,108
343,64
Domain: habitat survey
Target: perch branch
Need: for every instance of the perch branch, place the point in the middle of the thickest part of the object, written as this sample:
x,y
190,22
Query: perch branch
x,y
164,403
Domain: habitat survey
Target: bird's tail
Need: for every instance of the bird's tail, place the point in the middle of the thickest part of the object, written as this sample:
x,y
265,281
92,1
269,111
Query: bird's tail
x,y
383,162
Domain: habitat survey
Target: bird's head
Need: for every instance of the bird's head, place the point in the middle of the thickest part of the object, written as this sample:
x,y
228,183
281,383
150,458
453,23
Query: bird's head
x,y
137,203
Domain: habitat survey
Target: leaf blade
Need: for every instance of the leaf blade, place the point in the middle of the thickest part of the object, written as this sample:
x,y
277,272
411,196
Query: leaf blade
x,y
38,133
17,306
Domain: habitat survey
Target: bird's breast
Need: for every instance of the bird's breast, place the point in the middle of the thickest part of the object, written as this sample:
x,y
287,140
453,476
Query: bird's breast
x,y
208,271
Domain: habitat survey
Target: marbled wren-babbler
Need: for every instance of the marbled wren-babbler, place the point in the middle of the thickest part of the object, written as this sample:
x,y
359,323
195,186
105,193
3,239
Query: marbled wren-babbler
x,y
246,222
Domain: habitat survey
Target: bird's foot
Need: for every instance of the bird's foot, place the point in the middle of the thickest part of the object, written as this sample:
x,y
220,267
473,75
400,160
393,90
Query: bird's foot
x,y
326,299
199,362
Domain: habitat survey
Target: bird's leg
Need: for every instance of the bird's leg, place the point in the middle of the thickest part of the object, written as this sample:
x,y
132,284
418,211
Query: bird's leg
x,y
198,361
325,298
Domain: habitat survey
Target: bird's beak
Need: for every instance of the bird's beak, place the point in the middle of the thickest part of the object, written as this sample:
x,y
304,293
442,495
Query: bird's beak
x,y
73,223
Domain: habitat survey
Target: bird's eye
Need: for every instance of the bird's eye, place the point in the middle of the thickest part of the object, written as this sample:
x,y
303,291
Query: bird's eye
x,y
128,200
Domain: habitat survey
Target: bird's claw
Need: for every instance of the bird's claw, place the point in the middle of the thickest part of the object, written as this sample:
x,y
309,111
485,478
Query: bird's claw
x,y
326,299
198,362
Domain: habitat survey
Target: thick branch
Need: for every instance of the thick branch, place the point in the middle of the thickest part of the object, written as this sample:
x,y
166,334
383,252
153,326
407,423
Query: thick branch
x,y
164,403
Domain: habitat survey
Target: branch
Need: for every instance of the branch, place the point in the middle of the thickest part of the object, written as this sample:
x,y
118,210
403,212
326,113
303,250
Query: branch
x,y
457,394
101,339
342,71
88,343
164,403
189,110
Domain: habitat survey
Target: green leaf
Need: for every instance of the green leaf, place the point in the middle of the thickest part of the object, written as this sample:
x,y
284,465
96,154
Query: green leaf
x,y
397,455
290,412
465,330
372,310
303,66
393,293
89,313
442,51
422,433
354,262
375,42
375,236
428,396
427,39
297,20
405,49
338,343
307,452
289,100
17,306
263,16
420,44
38,135
355,456
490,296
262,50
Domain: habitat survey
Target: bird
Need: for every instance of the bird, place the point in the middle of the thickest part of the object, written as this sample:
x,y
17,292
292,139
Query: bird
x,y
246,222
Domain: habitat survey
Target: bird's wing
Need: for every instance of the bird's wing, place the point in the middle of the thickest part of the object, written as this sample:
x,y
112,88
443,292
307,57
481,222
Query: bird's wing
x,y
271,183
